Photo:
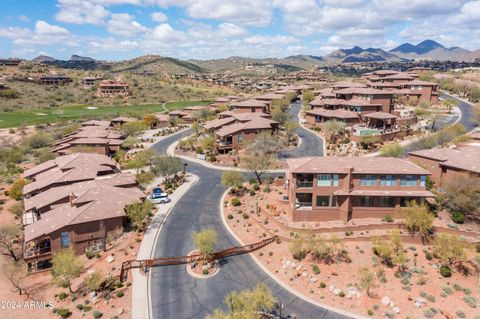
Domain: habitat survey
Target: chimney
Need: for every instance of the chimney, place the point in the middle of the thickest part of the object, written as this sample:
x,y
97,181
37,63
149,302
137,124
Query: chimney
x,y
72,198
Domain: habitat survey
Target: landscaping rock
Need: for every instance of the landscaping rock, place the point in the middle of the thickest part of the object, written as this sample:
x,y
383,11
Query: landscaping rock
x,y
304,274
392,304
396,310
121,311
331,288
313,279
336,291
385,301
205,267
110,259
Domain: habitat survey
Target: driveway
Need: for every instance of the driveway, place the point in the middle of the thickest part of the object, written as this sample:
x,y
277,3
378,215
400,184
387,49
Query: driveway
x,y
175,294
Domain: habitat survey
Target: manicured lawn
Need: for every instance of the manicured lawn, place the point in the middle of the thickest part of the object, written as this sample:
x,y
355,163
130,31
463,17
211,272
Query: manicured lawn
x,y
42,116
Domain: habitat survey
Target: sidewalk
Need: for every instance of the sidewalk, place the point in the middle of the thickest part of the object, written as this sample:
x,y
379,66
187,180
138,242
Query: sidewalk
x,y
141,305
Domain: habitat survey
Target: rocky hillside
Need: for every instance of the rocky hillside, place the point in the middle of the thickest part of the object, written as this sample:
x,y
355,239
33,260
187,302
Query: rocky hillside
x,y
433,50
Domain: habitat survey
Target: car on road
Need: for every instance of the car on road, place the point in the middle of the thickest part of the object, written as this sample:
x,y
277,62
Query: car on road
x,y
161,198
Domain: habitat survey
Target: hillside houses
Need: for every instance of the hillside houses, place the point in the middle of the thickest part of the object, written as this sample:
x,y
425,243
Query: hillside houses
x,y
109,88
92,137
74,201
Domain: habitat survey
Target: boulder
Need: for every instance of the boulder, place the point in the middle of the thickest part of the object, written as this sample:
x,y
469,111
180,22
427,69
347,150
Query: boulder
x,y
336,291
110,259
385,300
396,310
121,311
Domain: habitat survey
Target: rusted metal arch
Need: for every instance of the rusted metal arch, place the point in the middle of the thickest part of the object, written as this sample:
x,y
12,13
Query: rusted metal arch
x,y
167,261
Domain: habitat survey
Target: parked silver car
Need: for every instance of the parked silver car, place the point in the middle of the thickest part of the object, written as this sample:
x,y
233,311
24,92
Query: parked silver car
x,y
159,198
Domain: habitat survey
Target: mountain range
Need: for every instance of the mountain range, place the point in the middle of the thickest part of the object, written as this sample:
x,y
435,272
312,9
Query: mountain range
x,y
426,50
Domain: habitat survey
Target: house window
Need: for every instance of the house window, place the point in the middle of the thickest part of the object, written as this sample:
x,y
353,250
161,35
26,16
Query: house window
x,y
366,201
323,201
324,180
65,239
387,201
368,180
388,180
335,180
240,137
408,180
334,201
423,180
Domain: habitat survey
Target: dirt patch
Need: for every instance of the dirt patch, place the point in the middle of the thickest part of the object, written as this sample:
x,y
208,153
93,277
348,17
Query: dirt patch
x,y
338,284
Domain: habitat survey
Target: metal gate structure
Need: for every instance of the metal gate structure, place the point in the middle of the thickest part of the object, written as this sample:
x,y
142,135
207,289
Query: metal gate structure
x,y
145,264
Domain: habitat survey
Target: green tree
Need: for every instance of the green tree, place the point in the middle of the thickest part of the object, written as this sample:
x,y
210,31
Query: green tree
x,y
144,179
141,159
130,142
290,128
450,103
166,166
307,97
418,219
66,266
279,114
208,143
367,280
205,242
448,249
392,150
138,212
132,128
232,179
247,304
94,281
333,128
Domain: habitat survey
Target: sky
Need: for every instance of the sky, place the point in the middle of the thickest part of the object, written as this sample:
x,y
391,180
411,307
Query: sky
x,y
210,29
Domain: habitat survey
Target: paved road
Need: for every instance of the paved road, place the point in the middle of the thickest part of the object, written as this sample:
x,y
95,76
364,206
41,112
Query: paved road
x,y
466,112
312,144
175,294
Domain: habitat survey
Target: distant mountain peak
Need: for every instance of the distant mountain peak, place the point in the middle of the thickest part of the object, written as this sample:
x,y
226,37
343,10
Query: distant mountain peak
x,y
43,58
76,57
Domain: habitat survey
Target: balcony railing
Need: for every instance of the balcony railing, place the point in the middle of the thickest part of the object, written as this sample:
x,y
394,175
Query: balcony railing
x,y
33,252
303,205
304,184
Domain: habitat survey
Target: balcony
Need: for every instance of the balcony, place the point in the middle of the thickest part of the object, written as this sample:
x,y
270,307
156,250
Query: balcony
x,y
38,249
304,184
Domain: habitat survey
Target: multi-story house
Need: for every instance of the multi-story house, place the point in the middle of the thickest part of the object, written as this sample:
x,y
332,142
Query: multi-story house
x,y
345,188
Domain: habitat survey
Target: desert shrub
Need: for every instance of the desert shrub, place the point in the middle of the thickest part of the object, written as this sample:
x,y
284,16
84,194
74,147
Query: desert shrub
x,y
323,285
16,190
97,314
341,294
388,219
430,313
62,296
370,312
79,306
230,216
315,269
428,255
252,192
64,312
471,301
16,209
460,314
205,271
445,271
245,216
236,202
477,248
119,294
252,180
90,254
447,290
458,217
256,187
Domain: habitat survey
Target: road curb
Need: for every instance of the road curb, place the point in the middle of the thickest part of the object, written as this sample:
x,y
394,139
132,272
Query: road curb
x,y
141,306
277,280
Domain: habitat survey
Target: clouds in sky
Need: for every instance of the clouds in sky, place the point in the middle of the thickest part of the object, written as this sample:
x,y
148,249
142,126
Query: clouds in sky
x,y
257,28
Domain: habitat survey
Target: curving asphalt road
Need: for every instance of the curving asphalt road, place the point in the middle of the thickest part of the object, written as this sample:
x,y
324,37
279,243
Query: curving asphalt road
x,y
312,144
175,294
466,109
